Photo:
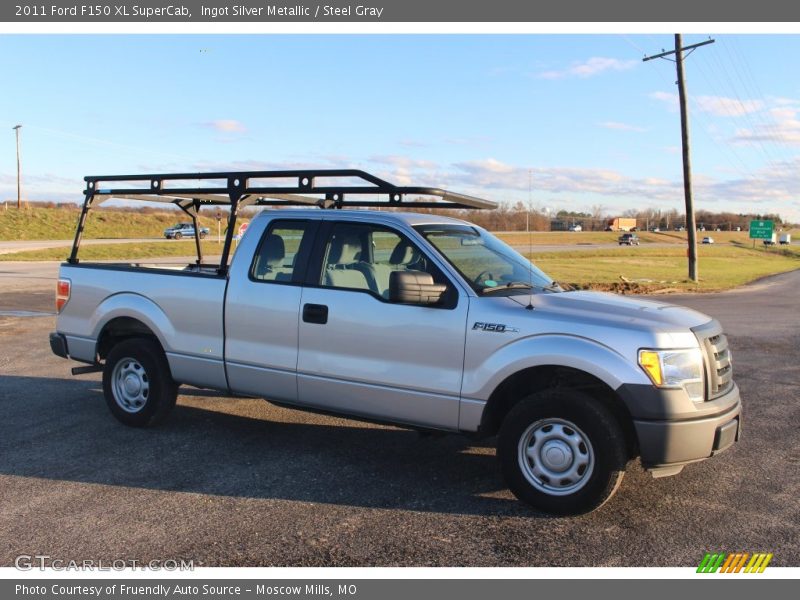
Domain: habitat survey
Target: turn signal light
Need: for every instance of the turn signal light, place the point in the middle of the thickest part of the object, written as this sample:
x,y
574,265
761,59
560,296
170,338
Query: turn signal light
x,y
63,289
651,363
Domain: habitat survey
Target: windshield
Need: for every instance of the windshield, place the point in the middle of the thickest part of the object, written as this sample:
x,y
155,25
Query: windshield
x,y
488,264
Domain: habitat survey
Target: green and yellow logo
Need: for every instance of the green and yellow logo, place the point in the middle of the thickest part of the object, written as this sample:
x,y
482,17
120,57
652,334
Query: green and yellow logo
x,y
737,562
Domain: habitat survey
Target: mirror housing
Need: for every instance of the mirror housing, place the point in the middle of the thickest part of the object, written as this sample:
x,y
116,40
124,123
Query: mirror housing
x,y
414,287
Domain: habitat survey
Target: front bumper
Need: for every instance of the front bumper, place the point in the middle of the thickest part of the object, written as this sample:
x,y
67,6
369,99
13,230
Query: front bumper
x,y
665,443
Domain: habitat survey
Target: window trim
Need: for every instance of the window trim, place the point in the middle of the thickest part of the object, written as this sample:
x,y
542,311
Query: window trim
x,y
315,266
302,262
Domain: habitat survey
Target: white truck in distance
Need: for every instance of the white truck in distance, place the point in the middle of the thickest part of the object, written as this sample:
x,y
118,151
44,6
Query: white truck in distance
x,y
413,319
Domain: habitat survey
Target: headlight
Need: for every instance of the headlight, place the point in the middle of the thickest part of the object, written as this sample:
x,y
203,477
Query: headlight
x,y
675,369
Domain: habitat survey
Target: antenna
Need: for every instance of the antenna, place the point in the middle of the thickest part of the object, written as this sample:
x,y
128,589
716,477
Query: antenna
x,y
530,239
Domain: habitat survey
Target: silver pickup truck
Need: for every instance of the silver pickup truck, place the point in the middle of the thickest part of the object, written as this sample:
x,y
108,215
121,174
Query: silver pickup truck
x,y
412,319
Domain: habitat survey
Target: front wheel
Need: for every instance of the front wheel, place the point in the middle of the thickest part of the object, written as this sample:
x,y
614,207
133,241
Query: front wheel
x,y
177,236
562,452
203,235
137,383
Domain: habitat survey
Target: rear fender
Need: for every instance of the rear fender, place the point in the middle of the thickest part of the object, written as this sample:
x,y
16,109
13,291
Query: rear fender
x,y
134,306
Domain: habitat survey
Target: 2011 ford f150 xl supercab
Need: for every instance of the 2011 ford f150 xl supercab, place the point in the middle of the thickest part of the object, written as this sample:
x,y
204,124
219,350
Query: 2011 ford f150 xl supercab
x,y
412,319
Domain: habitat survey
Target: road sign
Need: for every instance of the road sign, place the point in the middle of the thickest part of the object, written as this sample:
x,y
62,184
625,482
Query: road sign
x,y
218,215
761,230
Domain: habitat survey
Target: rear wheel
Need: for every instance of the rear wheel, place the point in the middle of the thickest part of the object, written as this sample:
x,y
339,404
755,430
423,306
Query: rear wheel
x,y
203,235
562,452
137,383
178,235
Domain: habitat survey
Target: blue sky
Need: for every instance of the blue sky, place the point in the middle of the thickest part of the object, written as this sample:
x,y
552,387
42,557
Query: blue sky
x,y
581,114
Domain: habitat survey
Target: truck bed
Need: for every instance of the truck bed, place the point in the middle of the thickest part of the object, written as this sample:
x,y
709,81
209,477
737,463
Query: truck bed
x,y
181,304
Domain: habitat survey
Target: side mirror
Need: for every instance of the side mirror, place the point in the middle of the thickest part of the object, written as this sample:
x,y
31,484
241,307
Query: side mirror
x,y
414,287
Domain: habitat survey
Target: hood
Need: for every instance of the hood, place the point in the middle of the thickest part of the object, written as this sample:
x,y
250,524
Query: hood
x,y
600,307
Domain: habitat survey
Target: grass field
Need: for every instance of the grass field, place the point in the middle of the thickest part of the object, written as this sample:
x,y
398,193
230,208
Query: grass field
x,y
645,269
38,223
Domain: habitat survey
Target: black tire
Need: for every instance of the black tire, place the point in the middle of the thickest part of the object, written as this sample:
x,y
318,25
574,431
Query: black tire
x,y
591,421
203,236
177,236
147,367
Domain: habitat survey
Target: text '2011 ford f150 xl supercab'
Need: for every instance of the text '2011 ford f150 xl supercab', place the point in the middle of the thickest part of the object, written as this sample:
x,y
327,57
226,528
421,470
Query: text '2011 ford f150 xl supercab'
x,y
397,317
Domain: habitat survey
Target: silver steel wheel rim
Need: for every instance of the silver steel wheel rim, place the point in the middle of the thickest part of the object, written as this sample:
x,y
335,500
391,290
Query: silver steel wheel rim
x,y
130,385
555,456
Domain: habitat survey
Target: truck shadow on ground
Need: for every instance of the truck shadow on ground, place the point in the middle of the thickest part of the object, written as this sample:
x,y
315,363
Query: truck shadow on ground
x,y
61,429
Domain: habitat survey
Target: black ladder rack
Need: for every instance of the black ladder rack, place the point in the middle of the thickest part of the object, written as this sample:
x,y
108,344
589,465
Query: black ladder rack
x,y
259,188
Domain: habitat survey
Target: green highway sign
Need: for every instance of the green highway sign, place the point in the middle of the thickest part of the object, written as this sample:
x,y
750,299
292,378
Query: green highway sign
x,y
761,230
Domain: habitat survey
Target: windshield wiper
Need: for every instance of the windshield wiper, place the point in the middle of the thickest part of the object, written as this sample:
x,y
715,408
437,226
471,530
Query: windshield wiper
x,y
511,285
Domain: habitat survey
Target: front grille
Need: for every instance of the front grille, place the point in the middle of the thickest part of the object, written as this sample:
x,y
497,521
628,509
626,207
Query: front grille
x,y
719,372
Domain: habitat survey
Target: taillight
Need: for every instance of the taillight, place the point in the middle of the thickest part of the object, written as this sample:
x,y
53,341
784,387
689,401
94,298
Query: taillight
x,y
63,289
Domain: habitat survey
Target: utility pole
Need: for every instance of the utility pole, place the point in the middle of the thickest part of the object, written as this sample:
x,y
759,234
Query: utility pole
x,y
530,191
16,129
691,229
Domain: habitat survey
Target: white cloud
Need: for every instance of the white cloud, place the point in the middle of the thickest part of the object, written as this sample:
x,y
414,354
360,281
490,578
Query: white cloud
x,y
720,106
589,68
622,126
226,126
781,125
775,189
405,162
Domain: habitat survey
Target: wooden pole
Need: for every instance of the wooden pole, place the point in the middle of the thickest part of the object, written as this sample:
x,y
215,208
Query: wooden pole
x,y
19,170
691,228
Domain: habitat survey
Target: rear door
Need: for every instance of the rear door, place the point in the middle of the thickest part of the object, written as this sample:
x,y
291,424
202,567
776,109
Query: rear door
x,y
364,355
262,311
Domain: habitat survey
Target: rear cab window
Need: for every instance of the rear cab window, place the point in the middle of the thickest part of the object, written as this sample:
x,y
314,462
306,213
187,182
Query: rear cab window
x,y
282,253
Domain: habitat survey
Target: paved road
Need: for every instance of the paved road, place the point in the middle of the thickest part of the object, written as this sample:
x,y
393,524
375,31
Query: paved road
x,y
233,481
11,246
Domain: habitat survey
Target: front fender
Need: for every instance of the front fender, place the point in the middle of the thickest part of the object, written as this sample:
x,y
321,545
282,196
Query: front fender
x,y
134,306
559,350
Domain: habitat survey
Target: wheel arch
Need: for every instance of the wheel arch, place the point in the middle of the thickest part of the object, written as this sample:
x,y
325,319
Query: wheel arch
x,y
123,328
525,382
127,315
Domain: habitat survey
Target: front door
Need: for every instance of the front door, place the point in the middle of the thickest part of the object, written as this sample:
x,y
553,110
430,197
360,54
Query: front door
x,y
361,354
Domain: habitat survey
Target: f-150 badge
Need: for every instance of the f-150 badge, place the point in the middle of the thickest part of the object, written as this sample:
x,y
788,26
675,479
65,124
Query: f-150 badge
x,y
496,327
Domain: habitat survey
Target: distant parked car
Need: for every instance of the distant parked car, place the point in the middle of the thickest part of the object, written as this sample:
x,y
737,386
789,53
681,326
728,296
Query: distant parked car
x,y
631,239
738,229
576,228
785,238
679,228
182,230
708,240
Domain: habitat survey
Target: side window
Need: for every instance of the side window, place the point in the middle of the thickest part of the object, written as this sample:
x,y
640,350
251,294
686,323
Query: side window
x,y
276,257
363,257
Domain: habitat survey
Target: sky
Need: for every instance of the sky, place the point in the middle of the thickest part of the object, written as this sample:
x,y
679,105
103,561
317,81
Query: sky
x,y
572,122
